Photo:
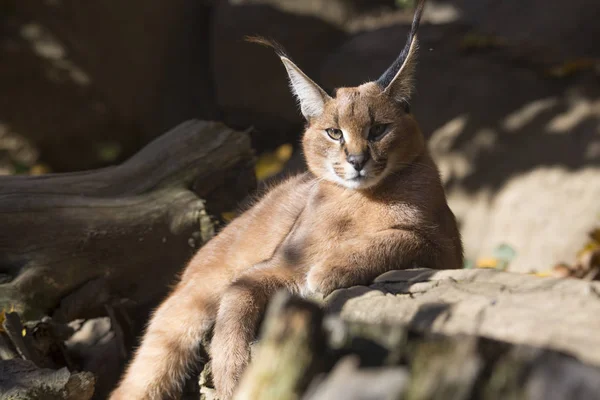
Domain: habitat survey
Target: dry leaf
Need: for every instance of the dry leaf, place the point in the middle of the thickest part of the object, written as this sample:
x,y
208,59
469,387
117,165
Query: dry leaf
x,y
228,216
39,169
269,164
486,263
572,67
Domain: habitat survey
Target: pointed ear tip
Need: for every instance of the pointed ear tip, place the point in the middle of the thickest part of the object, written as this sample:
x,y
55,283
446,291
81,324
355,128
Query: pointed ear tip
x,y
271,43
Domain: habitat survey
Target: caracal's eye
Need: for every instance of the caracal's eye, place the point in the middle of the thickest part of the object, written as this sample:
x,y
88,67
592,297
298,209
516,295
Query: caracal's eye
x,y
377,131
335,134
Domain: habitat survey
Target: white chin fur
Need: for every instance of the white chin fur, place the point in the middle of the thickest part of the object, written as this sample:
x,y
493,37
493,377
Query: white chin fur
x,y
355,184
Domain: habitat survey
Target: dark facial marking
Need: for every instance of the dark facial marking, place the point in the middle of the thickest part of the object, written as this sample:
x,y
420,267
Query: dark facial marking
x,y
406,106
375,155
377,132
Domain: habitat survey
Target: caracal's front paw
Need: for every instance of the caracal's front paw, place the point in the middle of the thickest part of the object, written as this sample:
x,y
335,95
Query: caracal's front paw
x,y
123,393
229,360
116,395
132,389
324,280
225,384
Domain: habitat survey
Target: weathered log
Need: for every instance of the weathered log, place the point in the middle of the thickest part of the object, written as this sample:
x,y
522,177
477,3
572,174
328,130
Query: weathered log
x,y
71,243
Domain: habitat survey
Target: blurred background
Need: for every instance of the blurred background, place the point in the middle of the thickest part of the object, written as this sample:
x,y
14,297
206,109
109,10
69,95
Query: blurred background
x,y
508,93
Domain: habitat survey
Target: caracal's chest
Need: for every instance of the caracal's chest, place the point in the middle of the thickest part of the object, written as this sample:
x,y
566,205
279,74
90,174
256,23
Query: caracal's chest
x,y
330,216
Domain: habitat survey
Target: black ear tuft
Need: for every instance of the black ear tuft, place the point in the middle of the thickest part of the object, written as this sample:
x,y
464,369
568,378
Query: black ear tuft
x,y
388,76
276,46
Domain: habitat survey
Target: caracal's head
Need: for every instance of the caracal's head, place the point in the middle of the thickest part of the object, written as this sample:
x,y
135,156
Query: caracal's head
x,y
357,136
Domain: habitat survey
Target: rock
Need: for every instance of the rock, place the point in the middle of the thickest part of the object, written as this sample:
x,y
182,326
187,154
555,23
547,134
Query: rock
x,y
521,166
22,380
520,309
348,381
379,349
251,82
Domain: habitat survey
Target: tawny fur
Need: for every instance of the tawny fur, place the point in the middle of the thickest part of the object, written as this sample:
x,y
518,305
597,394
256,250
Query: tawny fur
x,y
316,232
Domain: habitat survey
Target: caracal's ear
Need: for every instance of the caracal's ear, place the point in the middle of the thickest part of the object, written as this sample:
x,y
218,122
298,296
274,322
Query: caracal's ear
x,y
397,80
310,95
